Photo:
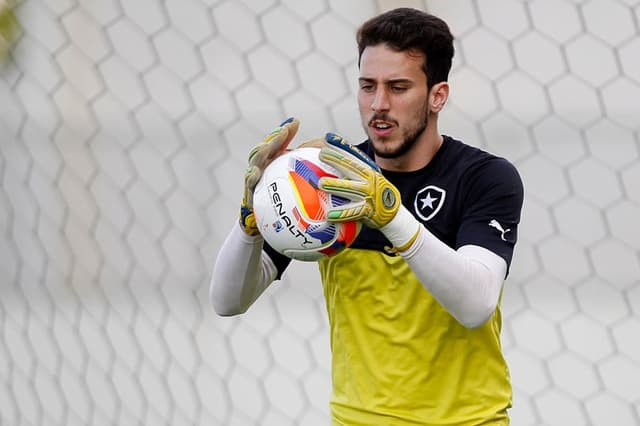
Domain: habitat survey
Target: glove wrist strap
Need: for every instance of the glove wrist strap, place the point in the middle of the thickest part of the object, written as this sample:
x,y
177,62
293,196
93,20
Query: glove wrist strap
x,y
402,231
247,221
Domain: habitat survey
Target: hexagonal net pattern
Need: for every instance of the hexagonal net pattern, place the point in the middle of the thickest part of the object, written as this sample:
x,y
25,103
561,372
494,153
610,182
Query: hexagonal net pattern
x,y
124,133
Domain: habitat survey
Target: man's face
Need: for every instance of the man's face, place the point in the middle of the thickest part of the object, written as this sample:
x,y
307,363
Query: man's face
x,y
393,99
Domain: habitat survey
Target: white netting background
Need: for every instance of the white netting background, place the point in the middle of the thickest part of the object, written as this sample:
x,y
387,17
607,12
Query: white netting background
x,y
124,127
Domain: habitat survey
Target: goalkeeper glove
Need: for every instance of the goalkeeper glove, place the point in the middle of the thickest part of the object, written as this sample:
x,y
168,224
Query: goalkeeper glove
x,y
272,146
372,198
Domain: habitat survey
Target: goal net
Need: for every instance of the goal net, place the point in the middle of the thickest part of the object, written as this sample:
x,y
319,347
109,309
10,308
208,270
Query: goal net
x,y
124,130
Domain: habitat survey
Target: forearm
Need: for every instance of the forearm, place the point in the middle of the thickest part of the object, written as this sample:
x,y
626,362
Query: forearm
x,y
241,273
467,282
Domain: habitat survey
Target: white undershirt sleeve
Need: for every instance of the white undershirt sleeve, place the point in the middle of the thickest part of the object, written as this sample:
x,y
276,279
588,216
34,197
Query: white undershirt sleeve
x,y
241,273
466,282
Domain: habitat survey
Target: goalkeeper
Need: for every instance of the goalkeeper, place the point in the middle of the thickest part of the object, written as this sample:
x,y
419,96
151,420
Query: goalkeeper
x,y
414,303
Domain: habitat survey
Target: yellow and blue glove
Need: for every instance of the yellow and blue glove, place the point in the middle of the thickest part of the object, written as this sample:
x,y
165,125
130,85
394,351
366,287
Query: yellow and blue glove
x,y
272,146
372,198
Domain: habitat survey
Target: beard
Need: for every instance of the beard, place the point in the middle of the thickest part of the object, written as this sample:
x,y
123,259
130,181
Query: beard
x,y
410,134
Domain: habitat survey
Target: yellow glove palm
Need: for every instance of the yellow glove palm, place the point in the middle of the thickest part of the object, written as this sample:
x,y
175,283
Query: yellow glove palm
x,y
272,146
372,198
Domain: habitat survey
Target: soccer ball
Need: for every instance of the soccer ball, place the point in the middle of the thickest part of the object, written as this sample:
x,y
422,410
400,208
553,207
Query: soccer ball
x,y
291,211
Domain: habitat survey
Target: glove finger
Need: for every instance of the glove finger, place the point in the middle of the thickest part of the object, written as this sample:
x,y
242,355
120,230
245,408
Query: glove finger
x,y
278,140
348,165
251,178
313,143
353,151
353,206
350,189
261,153
274,144
291,124
348,213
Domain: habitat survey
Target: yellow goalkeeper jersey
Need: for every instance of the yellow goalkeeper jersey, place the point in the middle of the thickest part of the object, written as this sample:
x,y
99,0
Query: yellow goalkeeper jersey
x,y
399,358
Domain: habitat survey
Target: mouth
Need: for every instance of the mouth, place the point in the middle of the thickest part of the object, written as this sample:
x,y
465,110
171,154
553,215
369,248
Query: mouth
x,y
381,128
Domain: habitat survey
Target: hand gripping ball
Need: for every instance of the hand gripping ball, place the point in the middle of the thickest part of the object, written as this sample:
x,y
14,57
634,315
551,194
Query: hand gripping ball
x,y
291,211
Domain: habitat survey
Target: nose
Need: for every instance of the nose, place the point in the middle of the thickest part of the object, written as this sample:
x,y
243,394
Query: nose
x,y
380,100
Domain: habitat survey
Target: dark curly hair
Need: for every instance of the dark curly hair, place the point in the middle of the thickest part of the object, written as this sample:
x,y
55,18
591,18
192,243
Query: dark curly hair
x,y
406,29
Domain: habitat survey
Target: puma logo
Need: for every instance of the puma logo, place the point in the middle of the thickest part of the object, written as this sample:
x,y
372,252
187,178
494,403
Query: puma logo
x,y
495,224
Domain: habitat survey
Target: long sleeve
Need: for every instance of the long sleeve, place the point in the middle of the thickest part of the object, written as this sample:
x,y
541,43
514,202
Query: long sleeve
x,y
241,273
467,282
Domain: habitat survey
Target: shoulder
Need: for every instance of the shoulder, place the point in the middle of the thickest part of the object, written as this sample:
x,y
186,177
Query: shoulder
x,y
460,152
478,167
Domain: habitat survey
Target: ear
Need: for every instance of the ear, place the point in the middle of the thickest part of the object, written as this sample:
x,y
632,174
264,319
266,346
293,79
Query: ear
x,y
438,96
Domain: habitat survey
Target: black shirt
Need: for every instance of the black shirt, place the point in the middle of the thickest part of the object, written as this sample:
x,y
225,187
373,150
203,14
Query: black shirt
x,y
463,196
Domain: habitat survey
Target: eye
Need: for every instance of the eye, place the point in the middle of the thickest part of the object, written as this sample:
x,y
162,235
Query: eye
x,y
398,89
366,87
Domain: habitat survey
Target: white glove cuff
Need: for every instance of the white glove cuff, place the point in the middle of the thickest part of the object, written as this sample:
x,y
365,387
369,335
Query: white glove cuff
x,y
402,230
